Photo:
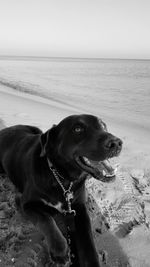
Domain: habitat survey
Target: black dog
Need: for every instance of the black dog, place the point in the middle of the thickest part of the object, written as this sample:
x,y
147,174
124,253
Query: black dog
x,y
50,169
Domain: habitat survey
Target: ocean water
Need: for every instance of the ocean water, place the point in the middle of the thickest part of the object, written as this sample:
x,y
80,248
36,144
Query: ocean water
x,y
118,89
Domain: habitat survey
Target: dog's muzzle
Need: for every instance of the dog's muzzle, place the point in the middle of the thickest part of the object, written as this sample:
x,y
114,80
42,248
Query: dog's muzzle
x,y
102,170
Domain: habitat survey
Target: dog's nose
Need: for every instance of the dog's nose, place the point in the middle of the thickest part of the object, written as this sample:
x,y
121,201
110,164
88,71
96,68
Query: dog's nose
x,y
113,143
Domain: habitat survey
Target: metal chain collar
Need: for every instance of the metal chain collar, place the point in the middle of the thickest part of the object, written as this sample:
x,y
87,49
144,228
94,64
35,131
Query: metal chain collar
x,y
68,194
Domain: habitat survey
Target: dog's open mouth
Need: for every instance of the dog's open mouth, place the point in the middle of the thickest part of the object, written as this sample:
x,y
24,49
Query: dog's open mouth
x,y
101,170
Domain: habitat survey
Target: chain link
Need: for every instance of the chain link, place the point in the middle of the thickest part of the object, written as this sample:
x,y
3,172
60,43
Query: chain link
x,y
56,175
60,183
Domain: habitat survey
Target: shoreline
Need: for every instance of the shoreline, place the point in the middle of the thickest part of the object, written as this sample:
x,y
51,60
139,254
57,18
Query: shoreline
x,y
29,109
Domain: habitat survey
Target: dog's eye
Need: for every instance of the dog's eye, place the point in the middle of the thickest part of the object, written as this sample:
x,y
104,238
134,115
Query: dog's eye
x,y
78,129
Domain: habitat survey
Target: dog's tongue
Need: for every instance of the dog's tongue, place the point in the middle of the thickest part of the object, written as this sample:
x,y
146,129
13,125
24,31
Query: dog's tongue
x,y
107,167
105,170
101,170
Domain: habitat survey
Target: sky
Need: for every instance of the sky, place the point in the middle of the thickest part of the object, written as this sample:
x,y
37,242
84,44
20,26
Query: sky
x,y
75,28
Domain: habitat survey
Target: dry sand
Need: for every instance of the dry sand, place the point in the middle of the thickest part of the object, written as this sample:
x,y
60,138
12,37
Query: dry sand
x,y
20,108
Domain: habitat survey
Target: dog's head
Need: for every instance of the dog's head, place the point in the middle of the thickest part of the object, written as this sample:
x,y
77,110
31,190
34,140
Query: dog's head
x,y
82,143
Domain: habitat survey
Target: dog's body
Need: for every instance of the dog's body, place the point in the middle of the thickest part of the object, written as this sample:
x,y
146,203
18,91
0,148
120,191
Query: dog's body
x,y
26,156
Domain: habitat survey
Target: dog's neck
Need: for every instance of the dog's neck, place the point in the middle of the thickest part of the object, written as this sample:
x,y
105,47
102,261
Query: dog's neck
x,y
66,169
66,176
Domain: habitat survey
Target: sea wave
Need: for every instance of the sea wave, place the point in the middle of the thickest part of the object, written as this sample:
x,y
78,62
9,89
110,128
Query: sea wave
x,y
21,87
33,89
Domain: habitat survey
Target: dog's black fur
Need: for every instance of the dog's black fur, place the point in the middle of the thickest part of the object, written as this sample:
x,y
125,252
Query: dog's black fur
x,y
24,151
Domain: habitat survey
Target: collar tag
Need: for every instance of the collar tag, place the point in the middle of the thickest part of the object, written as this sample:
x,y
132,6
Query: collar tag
x,y
68,195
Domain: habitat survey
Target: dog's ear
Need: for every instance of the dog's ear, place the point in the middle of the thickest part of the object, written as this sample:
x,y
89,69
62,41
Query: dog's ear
x,y
46,140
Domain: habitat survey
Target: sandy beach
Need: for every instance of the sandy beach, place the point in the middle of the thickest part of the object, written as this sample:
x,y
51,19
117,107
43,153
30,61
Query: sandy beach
x,y
62,58
22,108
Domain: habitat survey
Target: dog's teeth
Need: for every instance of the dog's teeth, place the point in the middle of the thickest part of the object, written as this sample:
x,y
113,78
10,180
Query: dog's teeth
x,y
110,175
104,173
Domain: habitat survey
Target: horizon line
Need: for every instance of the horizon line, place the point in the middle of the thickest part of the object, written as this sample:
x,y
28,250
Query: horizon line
x,y
67,57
